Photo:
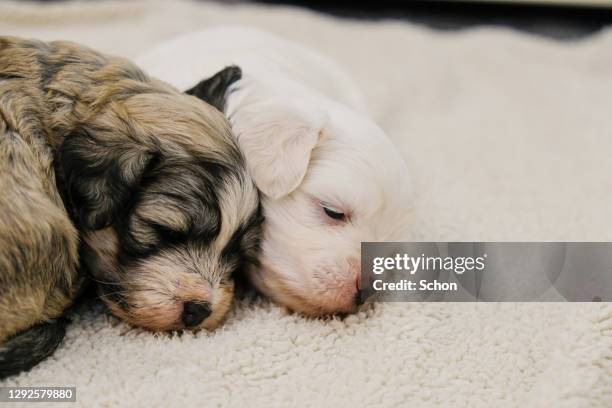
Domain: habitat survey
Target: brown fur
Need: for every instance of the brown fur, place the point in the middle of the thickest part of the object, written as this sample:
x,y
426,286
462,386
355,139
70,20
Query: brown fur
x,y
150,179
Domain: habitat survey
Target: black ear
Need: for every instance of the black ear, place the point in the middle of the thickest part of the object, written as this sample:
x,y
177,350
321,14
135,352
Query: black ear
x,y
212,90
100,179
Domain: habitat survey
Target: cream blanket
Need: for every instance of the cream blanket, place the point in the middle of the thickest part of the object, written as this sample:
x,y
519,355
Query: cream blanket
x,y
508,137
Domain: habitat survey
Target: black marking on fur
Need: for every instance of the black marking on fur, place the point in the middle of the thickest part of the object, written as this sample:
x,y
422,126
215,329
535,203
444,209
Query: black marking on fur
x,y
48,73
98,206
243,247
198,202
213,90
60,183
28,348
10,76
191,188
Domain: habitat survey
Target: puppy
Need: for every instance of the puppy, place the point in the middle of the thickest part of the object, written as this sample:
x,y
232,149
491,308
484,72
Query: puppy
x,y
330,177
149,181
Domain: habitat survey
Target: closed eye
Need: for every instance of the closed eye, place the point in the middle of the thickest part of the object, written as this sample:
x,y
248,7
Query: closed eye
x,y
169,235
334,214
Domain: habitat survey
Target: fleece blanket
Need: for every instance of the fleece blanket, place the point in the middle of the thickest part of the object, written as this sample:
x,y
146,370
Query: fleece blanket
x,y
508,136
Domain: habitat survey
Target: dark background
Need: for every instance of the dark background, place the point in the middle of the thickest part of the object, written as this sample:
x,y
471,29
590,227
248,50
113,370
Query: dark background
x,y
556,20
562,22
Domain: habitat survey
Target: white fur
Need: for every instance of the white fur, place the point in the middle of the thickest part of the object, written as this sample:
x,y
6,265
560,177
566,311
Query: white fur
x,y
296,117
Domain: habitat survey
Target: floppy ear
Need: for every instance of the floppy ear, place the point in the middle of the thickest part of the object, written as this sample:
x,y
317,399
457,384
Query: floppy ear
x,y
100,179
212,90
277,138
276,134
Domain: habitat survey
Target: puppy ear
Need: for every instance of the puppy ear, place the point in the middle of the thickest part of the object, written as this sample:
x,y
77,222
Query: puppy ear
x,y
100,179
277,139
212,90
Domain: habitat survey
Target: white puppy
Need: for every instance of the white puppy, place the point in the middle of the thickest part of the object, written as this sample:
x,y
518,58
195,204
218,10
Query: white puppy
x,y
330,177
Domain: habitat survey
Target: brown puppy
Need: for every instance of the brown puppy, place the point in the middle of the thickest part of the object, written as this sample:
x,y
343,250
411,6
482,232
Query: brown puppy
x,y
149,179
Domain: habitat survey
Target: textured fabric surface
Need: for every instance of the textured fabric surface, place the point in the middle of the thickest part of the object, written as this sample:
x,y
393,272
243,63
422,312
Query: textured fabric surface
x,y
508,137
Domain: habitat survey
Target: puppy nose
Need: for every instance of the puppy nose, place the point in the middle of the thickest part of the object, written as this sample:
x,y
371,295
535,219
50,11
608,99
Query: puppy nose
x,y
195,313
